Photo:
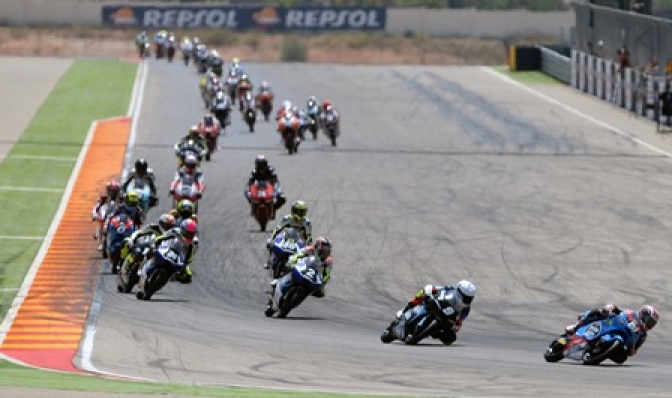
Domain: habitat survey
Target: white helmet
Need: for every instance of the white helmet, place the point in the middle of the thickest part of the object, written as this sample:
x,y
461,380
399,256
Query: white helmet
x,y
287,104
467,291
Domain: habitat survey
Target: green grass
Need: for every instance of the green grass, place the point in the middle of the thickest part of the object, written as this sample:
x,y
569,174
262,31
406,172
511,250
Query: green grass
x,y
531,77
13,375
91,89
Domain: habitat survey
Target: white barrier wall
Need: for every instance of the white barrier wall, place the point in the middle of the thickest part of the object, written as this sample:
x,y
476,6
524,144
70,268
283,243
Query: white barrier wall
x,y
463,22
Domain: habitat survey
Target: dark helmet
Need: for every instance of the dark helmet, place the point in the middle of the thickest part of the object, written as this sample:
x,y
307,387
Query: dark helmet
x,y
188,229
217,65
260,163
141,166
113,189
648,316
185,208
208,120
322,248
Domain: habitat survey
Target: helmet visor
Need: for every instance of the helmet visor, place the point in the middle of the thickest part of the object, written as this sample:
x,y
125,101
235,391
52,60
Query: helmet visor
x,y
649,321
300,212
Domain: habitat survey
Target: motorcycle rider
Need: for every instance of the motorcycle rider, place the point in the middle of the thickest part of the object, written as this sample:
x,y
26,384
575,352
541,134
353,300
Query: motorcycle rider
x,y
296,219
109,198
186,233
165,223
321,249
221,102
187,47
286,106
329,110
195,135
236,67
143,172
190,168
642,321
264,172
184,210
209,121
303,121
141,41
463,293
131,207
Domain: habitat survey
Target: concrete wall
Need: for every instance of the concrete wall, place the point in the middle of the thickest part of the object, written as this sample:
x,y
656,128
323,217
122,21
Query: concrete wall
x,y
469,23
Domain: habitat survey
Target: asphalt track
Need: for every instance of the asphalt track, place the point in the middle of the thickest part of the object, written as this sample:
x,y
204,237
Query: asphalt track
x,y
441,173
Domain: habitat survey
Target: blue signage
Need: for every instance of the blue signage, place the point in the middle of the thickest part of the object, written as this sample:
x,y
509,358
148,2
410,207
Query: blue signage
x,y
236,18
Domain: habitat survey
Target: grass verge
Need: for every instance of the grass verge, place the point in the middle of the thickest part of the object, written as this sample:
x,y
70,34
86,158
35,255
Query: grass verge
x,y
528,77
91,89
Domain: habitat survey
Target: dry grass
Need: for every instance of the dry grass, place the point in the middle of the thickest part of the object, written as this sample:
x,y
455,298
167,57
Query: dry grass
x,y
357,48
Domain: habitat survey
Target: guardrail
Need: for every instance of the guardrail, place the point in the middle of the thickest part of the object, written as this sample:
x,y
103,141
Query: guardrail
x,y
555,64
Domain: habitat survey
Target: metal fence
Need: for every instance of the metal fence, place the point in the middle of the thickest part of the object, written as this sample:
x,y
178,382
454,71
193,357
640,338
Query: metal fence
x,y
556,64
601,31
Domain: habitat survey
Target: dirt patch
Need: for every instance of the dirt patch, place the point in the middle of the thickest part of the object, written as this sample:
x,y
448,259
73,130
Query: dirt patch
x,y
357,48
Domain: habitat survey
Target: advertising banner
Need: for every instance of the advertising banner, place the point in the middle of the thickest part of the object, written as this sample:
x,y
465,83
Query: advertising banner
x,y
275,19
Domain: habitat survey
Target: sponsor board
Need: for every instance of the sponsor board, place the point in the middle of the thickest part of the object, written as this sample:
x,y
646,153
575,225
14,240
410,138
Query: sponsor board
x,y
234,18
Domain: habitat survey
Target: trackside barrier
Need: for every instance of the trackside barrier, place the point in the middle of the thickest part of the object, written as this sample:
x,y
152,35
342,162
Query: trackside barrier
x,y
555,64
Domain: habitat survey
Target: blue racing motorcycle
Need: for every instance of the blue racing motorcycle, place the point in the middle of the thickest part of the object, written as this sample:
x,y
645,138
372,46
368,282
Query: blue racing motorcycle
x,y
290,291
169,259
435,318
287,243
596,342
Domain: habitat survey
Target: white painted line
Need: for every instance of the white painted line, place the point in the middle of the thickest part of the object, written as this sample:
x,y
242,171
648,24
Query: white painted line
x,y
32,271
94,311
29,189
39,157
7,237
577,112
9,289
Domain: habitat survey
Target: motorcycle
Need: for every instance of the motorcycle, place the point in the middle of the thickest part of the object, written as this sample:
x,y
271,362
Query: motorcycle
x,y
243,89
119,228
190,147
262,196
293,288
201,60
98,216
144,50
264,102
186,188
231,86
288,126
160,49
168,260
144,192
287,243
170,48
312,113
434,318
330,127
143,250
596,342
248,110
210,133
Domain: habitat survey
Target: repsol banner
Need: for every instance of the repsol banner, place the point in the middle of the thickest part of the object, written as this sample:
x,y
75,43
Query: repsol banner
x,y
267,18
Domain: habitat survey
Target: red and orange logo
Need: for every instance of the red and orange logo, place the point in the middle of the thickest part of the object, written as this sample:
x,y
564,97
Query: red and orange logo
x,y
266,17
124,16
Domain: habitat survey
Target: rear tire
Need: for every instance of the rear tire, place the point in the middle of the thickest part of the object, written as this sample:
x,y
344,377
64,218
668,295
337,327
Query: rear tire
x,y
590,359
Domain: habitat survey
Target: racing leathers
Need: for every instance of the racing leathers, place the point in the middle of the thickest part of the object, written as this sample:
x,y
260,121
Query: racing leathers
x,y
221,108
200,146
148,178
184,276
129,243
304,226
325,268
197,176
267,175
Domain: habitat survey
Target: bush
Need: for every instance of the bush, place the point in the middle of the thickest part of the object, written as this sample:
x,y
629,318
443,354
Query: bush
x,y
293,50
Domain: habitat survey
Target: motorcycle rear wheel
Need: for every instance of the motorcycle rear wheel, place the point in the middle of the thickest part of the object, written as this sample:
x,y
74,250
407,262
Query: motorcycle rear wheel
x,y
590,358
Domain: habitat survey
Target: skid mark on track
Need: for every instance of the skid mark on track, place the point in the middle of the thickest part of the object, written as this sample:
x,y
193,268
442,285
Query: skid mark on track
x,y
48,325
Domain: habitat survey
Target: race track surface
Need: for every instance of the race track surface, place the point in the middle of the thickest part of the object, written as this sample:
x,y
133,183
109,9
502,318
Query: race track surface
x,y
441,173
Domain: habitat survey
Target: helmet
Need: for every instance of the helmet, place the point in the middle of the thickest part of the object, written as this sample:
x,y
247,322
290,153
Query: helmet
x,y
311,100
295,110
260,163
217,64
196,40
190,162
185,208
235,60
208,119
188,229
132,199
166,222
322,248
648,316
194,130
467,290
287,104
326,103
264,85
185,38
141,166
299,210
113,189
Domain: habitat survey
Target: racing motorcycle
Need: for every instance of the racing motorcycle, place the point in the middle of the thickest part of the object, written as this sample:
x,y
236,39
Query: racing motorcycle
x,y
170,48
210,133
286,243
141,187
434,318
248,110
119,228
231,85
168,260
330,127
312,113
288,126
219,107
264,102
98,215
293,288
596,342
262,195
143,250
201,59
186,188
190,147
